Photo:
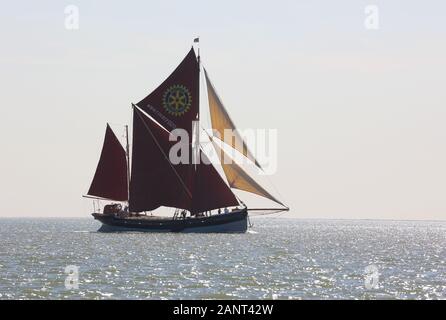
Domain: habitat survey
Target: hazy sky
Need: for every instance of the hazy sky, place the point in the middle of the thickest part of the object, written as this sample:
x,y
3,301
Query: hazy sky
x,y
360,113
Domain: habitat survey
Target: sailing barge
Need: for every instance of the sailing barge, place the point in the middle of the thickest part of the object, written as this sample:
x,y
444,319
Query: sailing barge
x,y
192,188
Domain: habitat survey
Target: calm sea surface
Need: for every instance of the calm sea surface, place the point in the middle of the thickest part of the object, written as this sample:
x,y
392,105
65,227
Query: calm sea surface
x,y
277,259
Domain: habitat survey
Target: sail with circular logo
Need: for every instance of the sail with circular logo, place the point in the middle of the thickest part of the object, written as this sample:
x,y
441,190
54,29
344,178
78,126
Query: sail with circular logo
x,y
174,104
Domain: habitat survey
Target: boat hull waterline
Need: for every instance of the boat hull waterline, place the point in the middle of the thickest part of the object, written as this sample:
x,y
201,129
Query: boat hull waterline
x,y
232,222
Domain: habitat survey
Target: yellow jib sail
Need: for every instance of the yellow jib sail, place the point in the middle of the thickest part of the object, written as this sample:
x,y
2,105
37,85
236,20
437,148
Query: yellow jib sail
x,y
238,178
221,121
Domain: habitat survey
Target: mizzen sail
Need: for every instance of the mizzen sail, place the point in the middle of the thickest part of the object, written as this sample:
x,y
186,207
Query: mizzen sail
x,y
221,122
110,179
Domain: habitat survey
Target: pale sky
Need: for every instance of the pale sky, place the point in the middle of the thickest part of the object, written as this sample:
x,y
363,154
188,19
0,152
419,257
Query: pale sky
x,y
360,113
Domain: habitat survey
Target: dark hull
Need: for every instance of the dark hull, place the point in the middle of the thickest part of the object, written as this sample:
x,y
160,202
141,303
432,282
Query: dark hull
x,y
233,222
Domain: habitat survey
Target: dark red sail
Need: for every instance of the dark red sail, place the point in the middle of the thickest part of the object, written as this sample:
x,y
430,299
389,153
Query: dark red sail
x,y
210,191
155,181
110,179
175,103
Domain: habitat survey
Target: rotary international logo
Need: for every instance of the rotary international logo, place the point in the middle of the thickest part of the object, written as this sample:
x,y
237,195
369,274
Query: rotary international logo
x,y
177,100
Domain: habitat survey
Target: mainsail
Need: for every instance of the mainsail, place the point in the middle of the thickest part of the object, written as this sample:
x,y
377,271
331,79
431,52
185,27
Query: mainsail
x,y
174,104
221,122
156,182
110,179
238,178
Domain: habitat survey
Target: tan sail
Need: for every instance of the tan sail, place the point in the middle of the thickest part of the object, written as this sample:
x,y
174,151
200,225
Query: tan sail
x,y
238,178
221,121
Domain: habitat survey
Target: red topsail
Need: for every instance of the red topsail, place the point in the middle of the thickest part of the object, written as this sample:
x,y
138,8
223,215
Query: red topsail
x,y
174,104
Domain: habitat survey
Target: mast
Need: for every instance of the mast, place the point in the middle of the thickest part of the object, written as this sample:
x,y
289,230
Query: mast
x,y
127,151
199,65
197,123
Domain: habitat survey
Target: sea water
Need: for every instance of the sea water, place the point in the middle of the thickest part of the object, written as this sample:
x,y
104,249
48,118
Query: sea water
x,y
277,259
